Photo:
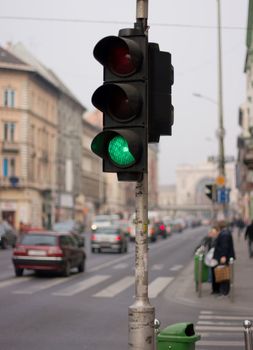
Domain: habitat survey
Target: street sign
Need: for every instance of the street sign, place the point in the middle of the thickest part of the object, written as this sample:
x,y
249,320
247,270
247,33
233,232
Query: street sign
x,y
220,180
223,195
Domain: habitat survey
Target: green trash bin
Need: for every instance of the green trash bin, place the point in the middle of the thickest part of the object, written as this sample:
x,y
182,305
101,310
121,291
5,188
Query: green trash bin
x,y
205,269
179,336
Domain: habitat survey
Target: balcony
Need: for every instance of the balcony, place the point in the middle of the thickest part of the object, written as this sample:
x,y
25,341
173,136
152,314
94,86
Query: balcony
x,y
10,147
12,182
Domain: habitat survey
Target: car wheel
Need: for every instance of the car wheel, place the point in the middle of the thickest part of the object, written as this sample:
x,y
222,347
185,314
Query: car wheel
x,y
19,272
66,271
81,266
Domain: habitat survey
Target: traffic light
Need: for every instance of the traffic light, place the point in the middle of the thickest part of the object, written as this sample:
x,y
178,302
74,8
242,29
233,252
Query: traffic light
x,y
123,99
211,191
161,78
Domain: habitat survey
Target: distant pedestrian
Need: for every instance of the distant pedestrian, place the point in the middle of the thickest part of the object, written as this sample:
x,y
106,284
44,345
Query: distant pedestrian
x,y
249,237
224,250
240,227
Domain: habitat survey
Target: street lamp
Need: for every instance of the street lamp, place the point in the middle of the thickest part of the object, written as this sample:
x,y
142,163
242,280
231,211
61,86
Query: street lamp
x,y
221,130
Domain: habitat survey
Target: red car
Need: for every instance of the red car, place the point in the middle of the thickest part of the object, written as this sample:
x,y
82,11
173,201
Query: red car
x,y
48,251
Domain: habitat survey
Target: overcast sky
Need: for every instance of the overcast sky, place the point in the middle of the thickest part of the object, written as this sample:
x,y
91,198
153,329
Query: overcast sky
x,y
185,28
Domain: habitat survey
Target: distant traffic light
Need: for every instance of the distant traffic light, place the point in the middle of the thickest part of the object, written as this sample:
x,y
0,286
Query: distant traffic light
x,y
211,191
123,99
161,79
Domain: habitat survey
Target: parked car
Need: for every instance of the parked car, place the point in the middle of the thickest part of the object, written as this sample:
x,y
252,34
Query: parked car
x,y
48,251
124,225
8,235
177,225
101,221
109,238
153,217
73,227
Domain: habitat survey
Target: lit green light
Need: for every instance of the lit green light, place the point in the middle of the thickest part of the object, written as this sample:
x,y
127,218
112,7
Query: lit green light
x,y
119,152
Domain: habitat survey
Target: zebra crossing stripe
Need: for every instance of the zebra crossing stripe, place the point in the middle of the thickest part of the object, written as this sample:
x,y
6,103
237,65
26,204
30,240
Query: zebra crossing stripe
x,y
13,281
218,317
220,323
176,267
81,286
158,285
157,267
217,343
219,328
120,266
41,285
115,288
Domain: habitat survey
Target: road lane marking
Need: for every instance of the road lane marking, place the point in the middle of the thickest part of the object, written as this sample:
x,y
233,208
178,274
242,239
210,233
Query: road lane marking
x,y
176,267
157,267
220,323
111,262
218,317
41,285
81,286
219,328
115,288
120,266
13,281
158,285
217,343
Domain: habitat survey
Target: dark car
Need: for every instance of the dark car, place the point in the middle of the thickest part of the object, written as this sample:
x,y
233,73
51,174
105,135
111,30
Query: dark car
x,y
73,227
48,251
8,235
109,238
156,229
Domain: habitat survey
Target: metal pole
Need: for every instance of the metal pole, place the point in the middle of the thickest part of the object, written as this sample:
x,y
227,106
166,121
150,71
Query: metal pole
x,y
221,131
231,266
141,314
248,335
200,275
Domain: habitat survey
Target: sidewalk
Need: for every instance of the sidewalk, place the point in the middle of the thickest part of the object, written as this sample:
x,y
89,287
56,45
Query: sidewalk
x,y
183,289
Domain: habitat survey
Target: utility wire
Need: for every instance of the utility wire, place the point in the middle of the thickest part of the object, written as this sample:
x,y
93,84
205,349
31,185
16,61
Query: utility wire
x,y
72,20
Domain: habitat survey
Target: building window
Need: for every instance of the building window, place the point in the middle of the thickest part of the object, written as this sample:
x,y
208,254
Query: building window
x,y
8,167
9,132
9,98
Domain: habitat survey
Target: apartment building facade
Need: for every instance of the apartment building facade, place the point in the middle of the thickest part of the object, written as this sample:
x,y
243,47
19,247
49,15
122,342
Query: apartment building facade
x,y
28,119
245,139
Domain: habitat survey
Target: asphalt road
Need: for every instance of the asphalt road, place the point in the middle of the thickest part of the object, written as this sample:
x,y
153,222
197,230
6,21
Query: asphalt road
x,y
90,310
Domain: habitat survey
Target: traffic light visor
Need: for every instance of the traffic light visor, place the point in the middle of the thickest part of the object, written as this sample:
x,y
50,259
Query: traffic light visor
x,y
121,56
121,101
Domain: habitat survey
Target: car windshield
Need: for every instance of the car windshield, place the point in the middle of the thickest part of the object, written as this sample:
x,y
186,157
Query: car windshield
x,y
64,226
102,218
35,239
107,230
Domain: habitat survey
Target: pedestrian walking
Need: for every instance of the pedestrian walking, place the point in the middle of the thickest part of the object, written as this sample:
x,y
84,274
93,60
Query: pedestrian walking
x,y
249,236
224,250
240,225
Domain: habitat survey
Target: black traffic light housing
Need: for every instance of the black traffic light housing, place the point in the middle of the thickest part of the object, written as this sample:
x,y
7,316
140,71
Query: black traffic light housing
x,y
211,191
123,99
161,79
